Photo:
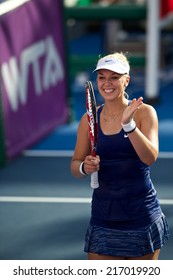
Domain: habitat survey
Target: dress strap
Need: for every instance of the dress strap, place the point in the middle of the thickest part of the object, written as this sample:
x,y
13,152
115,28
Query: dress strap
x,y
99,112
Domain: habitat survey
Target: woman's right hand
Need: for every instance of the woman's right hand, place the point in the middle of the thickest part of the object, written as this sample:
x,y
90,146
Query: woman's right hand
x,y
91,164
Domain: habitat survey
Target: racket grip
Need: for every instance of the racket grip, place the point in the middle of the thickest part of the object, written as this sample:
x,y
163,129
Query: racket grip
x,y
94,180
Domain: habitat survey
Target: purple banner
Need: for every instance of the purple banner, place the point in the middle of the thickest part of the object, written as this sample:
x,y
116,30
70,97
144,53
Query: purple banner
x,y
33,78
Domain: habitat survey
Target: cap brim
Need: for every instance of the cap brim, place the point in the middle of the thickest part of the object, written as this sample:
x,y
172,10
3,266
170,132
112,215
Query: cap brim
x,y
113,69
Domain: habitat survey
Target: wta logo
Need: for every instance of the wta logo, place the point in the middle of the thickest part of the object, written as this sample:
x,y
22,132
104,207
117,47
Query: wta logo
x,y
42,62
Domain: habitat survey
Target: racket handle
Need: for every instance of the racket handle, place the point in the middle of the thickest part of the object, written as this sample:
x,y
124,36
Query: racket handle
x,y
94,180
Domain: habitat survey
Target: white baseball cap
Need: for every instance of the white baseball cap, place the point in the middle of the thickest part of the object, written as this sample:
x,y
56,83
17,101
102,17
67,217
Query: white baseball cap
x,y
114,64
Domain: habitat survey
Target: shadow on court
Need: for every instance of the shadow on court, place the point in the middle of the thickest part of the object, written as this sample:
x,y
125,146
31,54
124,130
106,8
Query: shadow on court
x,y
37,224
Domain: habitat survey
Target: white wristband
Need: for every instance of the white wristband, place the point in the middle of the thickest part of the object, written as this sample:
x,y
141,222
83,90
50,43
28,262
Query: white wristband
x,y
129,127
81,169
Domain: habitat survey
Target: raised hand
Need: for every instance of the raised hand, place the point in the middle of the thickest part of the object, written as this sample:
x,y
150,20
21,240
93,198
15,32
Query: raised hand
x,y
130,111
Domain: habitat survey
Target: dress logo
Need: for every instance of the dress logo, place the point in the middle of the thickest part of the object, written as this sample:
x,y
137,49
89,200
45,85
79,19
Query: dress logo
x,y
125,136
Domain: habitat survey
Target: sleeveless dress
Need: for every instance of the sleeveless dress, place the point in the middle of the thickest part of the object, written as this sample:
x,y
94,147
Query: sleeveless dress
x,y
126,217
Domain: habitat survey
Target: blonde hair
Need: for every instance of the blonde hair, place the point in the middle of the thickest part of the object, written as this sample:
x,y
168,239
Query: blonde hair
x,y
120,55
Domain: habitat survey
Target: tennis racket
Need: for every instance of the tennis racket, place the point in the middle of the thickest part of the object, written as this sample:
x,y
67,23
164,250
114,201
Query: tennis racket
x,y
92,127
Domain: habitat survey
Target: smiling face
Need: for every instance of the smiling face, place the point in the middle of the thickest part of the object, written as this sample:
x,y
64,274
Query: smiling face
x,y
111,85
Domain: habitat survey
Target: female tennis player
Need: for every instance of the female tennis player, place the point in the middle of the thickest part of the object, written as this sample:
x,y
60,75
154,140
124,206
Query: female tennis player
x,y
127,222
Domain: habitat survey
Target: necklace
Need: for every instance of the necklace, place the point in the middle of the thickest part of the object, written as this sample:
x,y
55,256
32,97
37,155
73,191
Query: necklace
x,y
112,117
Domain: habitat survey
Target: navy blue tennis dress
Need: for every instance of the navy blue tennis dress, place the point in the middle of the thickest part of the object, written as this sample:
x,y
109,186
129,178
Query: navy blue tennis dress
x,y
126,218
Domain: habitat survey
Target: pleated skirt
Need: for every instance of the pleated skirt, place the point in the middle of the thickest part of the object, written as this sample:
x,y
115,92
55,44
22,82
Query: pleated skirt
x,y
127,243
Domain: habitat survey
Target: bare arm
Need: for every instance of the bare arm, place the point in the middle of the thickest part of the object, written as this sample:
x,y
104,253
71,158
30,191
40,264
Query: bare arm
x,y
82,151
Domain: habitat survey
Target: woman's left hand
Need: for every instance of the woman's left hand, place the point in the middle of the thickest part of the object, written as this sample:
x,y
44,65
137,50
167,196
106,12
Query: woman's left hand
x,y
130,111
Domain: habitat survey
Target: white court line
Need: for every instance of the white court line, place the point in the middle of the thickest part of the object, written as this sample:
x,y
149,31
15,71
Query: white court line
x,y
166,155
60,199
69,153
45,199
166,201
48,153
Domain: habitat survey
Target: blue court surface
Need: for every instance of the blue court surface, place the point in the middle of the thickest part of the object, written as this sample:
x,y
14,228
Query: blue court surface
x,y
44,211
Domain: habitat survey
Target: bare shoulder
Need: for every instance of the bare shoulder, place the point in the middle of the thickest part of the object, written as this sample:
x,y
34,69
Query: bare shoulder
x,y
146,110
84,117
83,121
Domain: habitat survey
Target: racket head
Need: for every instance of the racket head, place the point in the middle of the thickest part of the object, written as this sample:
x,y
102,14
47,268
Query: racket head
x,y
91,109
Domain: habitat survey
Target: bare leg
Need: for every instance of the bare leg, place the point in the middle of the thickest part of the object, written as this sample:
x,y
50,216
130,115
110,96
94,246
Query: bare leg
x,y
152,256
94,256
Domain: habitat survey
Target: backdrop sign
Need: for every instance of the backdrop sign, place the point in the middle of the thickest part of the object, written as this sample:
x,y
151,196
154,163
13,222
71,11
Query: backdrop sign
x,y
33,78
